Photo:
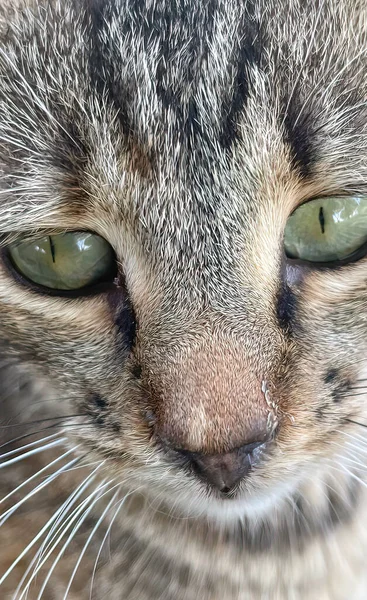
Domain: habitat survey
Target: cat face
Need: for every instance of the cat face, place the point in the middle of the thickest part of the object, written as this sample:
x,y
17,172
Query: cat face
x,y
185,137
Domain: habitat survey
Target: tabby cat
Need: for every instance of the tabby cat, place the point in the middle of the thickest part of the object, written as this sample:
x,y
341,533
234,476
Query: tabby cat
x,y
183,299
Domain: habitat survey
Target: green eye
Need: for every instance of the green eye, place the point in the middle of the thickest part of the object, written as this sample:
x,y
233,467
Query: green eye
x,y
327,229
69,261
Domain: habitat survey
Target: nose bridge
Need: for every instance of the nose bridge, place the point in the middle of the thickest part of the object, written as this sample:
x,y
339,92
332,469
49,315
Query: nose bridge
x,y
207,396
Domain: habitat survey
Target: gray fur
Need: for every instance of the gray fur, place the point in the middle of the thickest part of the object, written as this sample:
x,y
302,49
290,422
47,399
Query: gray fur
x,y
185,133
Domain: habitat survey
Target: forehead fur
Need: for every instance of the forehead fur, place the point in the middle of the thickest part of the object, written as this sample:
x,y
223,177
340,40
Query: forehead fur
x,y
189,123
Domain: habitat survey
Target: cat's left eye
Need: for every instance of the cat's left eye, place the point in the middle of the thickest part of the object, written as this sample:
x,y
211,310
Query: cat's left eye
x,y
69,261
327,230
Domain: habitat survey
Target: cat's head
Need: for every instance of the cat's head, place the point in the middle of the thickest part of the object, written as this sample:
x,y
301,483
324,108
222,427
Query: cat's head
x,y
151,158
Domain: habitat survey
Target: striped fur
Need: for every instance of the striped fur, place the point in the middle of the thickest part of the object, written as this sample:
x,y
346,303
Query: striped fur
x,y
185,132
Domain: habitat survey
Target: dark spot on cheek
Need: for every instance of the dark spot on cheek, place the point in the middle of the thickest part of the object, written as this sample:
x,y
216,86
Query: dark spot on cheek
x,y
339,385
116,427
321,411
99,401
331,375
96,409
136,371
336,396
149,417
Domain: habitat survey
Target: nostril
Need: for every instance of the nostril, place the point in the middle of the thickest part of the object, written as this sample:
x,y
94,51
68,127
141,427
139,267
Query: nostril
x,y
224,471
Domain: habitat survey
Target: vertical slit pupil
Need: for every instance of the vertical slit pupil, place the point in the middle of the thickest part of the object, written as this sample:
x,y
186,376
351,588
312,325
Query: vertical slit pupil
x,y
322,219
52,248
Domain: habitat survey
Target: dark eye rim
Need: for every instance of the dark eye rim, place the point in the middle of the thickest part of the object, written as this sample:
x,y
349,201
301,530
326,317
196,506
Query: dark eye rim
x,y
354,257
328,196
104,285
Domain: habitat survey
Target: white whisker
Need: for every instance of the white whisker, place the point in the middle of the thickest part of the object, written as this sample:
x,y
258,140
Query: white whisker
x,y
83,466
5,515
351,460
70,537
353,475
2,579
33,452
349,447
57,528
362,438
31,445
88,542
37,474
120,504
54,521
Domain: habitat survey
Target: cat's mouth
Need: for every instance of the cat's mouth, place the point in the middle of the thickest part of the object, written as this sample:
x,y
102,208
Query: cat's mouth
x,y
262,482
224,474
304,497
225,487
252,498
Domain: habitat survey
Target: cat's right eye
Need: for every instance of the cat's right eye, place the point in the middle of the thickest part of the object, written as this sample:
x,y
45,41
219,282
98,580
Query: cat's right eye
x,y
327,230
65,262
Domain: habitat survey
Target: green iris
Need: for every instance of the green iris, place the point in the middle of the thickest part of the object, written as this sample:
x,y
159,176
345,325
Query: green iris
x,y
68,261
327,229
